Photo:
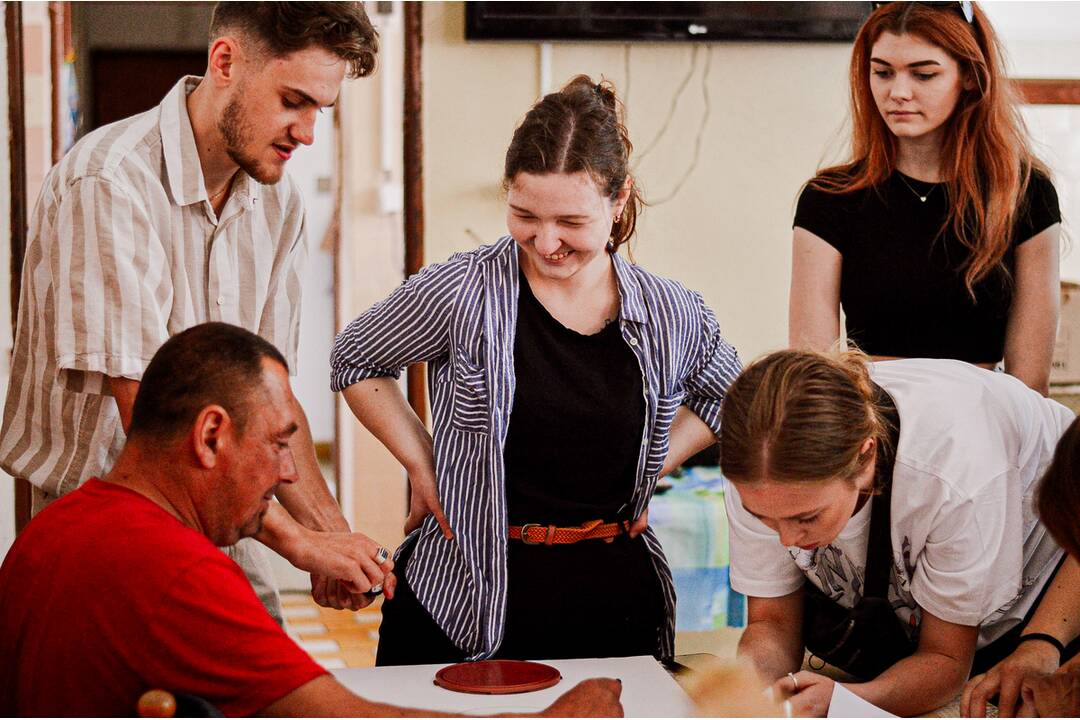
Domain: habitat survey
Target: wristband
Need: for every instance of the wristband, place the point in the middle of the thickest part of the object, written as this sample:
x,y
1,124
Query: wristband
x,y
1045,638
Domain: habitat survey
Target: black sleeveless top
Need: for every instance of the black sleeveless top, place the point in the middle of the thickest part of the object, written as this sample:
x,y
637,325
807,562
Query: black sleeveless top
x,y
902,284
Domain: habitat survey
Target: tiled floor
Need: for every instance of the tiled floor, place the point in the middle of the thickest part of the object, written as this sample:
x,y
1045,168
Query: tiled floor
x,y
335,638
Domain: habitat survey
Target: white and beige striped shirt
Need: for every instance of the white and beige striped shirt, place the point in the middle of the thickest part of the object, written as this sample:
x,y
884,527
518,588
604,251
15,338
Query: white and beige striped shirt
x,y
124,251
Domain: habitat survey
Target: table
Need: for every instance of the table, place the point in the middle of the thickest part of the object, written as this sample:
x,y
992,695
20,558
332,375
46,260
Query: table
x,y
699,660
648,690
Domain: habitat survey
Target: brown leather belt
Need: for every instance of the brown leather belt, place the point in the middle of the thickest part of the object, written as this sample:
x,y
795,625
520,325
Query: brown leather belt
x,y
537,534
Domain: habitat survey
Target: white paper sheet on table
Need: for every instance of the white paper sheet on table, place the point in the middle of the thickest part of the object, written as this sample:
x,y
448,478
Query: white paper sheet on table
x,y
648,691
846,704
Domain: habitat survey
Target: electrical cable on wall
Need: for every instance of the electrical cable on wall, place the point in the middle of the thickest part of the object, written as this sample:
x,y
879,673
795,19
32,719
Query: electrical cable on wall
x,y
700,133
671,110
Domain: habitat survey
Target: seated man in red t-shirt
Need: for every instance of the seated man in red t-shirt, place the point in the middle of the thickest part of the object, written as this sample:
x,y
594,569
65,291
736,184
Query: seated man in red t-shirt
x,y
118,587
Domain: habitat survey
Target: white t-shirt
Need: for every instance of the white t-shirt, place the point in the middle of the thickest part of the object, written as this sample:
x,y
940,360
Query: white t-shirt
x,y
967,545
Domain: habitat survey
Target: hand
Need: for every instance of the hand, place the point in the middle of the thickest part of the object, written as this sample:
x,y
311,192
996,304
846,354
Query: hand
x,y
1056,695
343,568
335,594
598,697
640,524
424,501
1030,659
812,697
330,593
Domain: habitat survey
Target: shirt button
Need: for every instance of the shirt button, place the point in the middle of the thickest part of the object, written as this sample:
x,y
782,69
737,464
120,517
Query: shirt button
x,y
633,342
221,300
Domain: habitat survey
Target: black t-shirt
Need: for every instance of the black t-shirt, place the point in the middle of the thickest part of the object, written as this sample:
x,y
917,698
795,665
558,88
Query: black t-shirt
x,y
576,426
571,456
902,283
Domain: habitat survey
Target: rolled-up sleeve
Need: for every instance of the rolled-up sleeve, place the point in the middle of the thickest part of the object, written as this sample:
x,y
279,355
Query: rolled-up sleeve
x,y
110,285
717,367
411,325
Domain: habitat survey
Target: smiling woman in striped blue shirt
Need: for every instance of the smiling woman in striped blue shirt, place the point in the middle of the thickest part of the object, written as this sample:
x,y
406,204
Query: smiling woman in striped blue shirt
x,y
564,382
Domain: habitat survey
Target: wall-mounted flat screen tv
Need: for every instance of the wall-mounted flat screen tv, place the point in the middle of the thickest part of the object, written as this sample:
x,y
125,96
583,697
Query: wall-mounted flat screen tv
x,y
663,21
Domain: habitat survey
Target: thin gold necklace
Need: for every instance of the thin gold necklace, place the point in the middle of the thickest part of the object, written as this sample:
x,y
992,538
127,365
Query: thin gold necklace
x,y
918,194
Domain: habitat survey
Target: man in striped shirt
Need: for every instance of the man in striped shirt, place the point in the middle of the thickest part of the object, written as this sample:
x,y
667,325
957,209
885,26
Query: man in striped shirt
x,y
177,216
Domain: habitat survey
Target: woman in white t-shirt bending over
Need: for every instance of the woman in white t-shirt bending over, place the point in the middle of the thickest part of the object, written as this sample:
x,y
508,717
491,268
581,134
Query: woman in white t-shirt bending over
x,y
902,492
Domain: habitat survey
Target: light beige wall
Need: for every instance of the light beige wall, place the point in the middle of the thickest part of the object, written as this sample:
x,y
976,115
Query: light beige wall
x,y
1042,39
776,110
370,265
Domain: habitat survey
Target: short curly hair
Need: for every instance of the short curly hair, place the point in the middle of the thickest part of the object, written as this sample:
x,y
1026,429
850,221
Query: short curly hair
x,y
281,28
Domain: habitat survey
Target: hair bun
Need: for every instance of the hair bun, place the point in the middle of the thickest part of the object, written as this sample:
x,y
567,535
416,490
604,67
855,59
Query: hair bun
x,y
583,89
606,90
853,362
579,128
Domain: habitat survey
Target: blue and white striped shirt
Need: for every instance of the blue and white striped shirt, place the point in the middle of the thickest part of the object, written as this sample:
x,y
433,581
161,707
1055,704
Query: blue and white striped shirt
x,y
460,316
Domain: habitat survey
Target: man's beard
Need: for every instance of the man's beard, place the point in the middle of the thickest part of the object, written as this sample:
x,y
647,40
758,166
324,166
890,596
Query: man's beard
x,y
236,132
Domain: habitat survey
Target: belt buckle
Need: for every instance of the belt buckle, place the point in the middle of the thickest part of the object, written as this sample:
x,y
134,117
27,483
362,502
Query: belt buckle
x,y
525,533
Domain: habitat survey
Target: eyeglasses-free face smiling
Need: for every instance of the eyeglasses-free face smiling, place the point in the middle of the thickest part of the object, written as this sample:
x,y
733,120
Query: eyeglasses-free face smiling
x,y
915,85
561,222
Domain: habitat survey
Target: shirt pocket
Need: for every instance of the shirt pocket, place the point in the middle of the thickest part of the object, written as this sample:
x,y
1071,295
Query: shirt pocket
x,y
666,407
470,395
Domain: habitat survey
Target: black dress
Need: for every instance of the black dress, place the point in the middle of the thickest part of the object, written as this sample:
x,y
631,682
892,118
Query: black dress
x,y
571,455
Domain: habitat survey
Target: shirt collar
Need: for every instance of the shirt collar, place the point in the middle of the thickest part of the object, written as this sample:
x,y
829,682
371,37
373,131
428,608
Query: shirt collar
x,y
185,175
631,296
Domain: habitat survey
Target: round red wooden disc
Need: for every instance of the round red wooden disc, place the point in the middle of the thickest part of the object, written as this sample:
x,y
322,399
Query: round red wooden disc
x,y
497,677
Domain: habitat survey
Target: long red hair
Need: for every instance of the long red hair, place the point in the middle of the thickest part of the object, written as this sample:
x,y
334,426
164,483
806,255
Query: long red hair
x,y
986,158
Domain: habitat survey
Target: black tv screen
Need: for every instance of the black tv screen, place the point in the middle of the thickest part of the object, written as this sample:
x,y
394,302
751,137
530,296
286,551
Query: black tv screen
x,y
659,21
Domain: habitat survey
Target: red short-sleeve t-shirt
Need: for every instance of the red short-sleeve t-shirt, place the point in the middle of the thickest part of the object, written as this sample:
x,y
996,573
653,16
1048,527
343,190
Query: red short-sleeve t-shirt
x,y
105,595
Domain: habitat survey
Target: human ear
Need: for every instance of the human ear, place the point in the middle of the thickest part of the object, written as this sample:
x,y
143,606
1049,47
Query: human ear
x,y
623,196
209,434
864,482
968,81
221,63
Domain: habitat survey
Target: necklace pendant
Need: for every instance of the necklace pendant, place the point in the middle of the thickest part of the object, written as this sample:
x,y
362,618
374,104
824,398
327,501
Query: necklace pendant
x,y
922,198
